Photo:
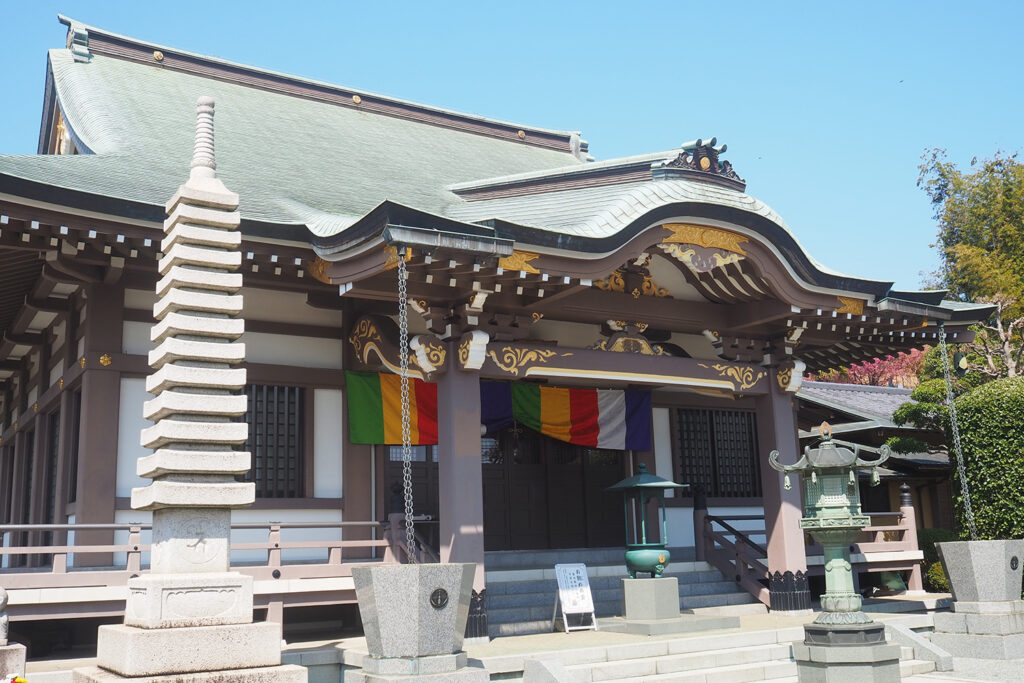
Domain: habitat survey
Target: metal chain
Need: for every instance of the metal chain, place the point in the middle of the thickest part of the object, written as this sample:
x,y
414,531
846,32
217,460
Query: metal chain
x,y
403,361
957,449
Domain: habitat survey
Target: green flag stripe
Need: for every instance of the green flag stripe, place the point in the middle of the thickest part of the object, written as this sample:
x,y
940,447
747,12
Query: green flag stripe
x,y
365,407
526,404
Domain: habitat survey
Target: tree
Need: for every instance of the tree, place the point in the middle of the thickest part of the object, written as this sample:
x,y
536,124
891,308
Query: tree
x,y
901,369
980,216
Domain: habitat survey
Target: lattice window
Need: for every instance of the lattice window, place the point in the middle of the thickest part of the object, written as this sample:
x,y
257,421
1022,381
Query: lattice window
x,y
717,450
276,428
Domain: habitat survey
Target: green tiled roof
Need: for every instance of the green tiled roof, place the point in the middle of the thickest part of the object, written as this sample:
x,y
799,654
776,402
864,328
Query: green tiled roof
x,y
291,159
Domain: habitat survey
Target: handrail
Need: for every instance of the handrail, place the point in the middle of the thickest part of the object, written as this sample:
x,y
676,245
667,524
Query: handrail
x,y
740,535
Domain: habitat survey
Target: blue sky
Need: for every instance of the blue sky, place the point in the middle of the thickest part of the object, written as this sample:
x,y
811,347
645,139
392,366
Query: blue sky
x,y
826,107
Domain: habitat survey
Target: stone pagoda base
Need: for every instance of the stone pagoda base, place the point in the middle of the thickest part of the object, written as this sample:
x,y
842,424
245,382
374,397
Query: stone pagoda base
x,y
225,653
12,661
983,630
286,673
650,607
841,653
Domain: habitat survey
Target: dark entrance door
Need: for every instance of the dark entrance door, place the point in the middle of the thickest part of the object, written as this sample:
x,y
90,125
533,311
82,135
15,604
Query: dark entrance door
x,y
538,492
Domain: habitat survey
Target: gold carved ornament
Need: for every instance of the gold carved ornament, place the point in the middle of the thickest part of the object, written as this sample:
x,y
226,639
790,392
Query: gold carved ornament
x,y
81,362
650,289
624,344
519,260
850,305
705,236
783,377
106,360
35,407
60,383
318,271
743,375
512,359
391,257
434,351
688,257
613,283
364,335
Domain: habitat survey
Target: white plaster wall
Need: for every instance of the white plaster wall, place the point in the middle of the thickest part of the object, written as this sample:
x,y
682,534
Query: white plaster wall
x,y
662,446
282,349
130,424
566,334
81,347
140,299
680,523
55,374
285,307
327,443
33,394
135,338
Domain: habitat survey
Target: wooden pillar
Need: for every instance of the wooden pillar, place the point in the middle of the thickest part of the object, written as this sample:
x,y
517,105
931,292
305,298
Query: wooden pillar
x,y
97,438
787,557
908,520
460,481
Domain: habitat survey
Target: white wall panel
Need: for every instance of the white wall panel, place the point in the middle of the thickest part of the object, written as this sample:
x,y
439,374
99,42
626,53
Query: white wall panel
x,y
327,443
130,425
135,338
663,446
680,523
304,352
285,307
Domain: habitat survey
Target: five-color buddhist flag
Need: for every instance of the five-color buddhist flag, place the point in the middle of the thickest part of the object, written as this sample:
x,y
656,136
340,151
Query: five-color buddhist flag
x,y
375,409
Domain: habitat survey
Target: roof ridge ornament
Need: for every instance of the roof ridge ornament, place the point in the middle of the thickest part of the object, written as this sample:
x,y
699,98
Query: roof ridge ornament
x,y
77,39
699,159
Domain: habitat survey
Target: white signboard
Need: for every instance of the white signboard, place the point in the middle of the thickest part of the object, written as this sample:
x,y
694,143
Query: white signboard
x,y
574,595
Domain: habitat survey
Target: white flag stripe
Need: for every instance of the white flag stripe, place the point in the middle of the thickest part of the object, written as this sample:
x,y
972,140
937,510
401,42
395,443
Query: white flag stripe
x,y
611,418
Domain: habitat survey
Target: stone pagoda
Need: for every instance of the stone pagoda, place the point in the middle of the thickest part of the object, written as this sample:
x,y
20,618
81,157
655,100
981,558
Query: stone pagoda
x,y
191,615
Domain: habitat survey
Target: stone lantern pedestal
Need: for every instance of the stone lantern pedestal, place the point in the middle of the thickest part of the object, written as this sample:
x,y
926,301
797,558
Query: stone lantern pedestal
x,y
842,644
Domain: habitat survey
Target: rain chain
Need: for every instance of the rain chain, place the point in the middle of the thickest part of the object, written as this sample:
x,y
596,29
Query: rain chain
x,y
403,360
968,511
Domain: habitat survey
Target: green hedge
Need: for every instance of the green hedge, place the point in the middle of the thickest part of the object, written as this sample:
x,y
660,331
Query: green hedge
x,y
991,421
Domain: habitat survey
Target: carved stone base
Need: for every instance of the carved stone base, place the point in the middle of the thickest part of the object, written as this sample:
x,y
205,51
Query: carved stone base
x,y
287,673
983,630
12,661
845,653
131,651
788,592
172,600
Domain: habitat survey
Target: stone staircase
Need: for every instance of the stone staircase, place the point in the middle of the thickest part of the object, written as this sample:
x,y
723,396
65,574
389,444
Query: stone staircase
x,y
521,588
720,657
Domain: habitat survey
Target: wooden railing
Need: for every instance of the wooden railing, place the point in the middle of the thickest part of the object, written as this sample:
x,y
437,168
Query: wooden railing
x,y
424,552
889,544
51,586
733,553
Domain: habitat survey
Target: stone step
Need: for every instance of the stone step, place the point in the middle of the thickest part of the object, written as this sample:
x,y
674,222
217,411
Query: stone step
x,y
680,663
740,610
908,667
734,673
546,594
691,572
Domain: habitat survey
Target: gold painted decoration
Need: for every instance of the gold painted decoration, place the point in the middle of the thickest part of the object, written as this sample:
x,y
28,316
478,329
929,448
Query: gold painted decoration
x,y
35,407
744,376
700,259
512,359
790,375
536,316
430,352
519,260
783,377
81,362
60,383
613,283
623,342
106,360
473,349
464,351
705,236
318,271
365,333
649,288
391,257
848,304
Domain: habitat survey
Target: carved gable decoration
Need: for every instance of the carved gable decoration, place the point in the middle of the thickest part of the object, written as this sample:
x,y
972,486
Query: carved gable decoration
x,y
629,341
634,279
374,340
700,159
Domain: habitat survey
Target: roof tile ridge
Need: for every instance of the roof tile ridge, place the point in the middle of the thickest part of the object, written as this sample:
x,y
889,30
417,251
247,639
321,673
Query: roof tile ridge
x,y
574,143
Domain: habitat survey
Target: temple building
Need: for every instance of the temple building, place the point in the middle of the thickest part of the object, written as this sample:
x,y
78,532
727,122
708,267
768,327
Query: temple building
x,y
570,319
